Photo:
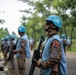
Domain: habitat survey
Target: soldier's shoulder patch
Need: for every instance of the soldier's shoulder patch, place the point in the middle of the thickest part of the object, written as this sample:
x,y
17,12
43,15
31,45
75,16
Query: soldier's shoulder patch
x,y
55,48
55,43
22,41
54,53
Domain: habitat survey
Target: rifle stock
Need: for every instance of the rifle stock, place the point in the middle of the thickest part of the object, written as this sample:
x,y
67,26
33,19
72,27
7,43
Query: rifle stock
x,y
36,55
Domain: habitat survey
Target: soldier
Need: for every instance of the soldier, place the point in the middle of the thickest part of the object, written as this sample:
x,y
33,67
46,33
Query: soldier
x,y
22,49
69,43
64,42
2,45
6,48
31,41
53,57
11,47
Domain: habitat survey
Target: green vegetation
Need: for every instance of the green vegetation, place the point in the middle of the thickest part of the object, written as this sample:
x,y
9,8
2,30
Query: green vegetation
x,y
73,48
43,8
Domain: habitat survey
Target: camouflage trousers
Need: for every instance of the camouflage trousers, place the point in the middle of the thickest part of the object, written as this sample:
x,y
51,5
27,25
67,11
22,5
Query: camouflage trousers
x,y
55,73
21,65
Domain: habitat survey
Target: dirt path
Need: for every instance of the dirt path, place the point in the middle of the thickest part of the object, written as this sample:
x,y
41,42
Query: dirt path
x,y
71,60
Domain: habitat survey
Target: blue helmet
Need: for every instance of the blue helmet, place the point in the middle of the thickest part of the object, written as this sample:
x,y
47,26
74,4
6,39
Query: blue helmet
x,y
68,37
12,36
2,39
56,20
6,37
21,29
63,36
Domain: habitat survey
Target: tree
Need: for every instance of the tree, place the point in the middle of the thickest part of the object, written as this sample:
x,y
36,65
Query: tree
x,y
37,20
2,21
23,19
3,33
44,8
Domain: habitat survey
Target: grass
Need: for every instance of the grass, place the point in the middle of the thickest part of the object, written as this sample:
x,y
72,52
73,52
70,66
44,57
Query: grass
x,y
73,47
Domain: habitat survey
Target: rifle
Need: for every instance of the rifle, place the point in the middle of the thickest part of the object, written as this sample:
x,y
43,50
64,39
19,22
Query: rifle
x,y
12,54
36,55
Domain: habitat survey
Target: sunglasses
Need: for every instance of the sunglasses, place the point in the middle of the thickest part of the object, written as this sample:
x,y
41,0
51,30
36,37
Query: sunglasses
x,y
48,22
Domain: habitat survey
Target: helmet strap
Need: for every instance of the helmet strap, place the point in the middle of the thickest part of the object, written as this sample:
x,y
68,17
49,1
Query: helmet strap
x,y
51,28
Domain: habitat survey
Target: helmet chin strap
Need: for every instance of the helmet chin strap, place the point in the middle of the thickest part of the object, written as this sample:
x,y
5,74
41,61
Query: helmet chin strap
x,y
53,28
50,28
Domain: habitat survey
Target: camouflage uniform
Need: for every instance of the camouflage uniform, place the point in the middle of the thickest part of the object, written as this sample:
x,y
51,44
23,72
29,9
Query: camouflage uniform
x,y
6,48
64,41
21,58
22,44
21,65
51,56
12,44
2,46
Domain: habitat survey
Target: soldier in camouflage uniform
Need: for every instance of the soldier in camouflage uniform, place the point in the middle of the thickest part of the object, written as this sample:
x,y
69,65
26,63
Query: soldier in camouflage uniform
x,y
22,50
2,45
6,48
12,47
64,42
53,58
